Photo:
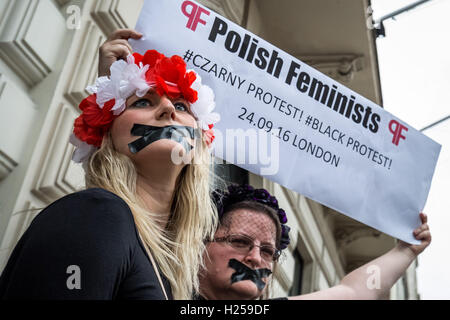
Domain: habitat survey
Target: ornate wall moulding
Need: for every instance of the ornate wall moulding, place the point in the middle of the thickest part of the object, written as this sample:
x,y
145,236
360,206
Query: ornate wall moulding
x,y
85,68
31,30
6,165
62,3
340,67
5,9
345,235
59,175
116,14
18,114
284,277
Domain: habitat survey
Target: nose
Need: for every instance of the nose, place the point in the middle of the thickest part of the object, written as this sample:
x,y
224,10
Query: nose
x,y
253,258
166,109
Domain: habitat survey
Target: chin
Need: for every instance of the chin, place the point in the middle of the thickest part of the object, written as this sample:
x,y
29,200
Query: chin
x,y
161,151
246,290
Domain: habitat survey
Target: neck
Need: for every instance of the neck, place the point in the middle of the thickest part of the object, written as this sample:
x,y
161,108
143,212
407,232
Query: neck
x,y
205,293
156,188
209,293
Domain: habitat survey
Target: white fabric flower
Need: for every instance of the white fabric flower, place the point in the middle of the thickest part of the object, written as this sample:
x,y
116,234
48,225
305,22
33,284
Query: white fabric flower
x,y
203,107
83,151
126,79
100,82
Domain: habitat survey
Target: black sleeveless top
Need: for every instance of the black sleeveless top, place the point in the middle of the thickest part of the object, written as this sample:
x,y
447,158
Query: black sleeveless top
x,y
82,246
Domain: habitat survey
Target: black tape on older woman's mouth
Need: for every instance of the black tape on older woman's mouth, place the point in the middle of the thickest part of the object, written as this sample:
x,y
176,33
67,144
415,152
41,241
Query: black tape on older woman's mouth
x,y
245,273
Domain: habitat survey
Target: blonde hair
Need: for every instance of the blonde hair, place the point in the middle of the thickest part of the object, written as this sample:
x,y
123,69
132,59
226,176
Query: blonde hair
x,y
178,248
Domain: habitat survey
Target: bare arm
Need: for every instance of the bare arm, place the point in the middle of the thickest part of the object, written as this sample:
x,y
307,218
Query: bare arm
x,y
375,279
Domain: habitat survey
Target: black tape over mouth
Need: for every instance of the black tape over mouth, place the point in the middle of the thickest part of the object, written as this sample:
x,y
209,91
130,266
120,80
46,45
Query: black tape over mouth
x,y
150,134
245,273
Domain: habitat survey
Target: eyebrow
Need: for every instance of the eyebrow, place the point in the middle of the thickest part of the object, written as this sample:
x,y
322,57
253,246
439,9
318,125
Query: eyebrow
x,y
268,243
134,99
152,91
262,242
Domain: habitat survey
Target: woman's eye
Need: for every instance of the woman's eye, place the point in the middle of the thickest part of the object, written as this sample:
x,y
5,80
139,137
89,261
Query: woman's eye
x,y
267,251
181,106
240,242
142,103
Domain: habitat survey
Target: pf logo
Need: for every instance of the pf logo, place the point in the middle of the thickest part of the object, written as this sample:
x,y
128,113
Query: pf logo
x,y
396,129
193,12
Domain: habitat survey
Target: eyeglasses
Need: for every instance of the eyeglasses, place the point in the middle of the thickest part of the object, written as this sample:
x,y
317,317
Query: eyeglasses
x,y
244,244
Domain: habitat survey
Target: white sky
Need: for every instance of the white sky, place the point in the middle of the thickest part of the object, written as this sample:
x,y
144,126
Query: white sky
x,y
414,60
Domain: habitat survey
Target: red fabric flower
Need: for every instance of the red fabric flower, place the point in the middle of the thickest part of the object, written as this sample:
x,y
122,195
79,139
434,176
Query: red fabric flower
x,y
185,86
93,122
172,70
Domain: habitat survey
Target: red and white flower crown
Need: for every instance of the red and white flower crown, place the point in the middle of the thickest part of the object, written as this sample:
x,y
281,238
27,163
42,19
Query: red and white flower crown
x,y
168,76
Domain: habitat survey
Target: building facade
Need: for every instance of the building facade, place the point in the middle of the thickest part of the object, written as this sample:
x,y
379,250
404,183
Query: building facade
x,y
49,54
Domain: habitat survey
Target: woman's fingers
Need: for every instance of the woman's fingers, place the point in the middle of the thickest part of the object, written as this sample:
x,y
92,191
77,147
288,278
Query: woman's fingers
x,y
115,46
121,51
110,55
124,34
422,217
423,227
122,42
424,235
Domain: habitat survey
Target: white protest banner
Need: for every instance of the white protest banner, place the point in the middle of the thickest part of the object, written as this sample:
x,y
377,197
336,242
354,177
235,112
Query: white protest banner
x,y
303,129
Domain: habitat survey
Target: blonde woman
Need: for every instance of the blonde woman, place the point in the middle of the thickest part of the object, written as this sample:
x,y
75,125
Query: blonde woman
x,y
137,231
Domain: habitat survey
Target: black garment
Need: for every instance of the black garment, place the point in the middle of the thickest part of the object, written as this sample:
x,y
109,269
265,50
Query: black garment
x,y
93,229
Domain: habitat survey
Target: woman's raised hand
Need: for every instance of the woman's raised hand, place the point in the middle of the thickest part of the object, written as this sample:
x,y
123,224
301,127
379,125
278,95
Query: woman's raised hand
x,y
114,48
421,233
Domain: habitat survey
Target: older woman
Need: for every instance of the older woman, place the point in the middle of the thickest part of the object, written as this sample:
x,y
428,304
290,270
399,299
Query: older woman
x,y
242,255
137,231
